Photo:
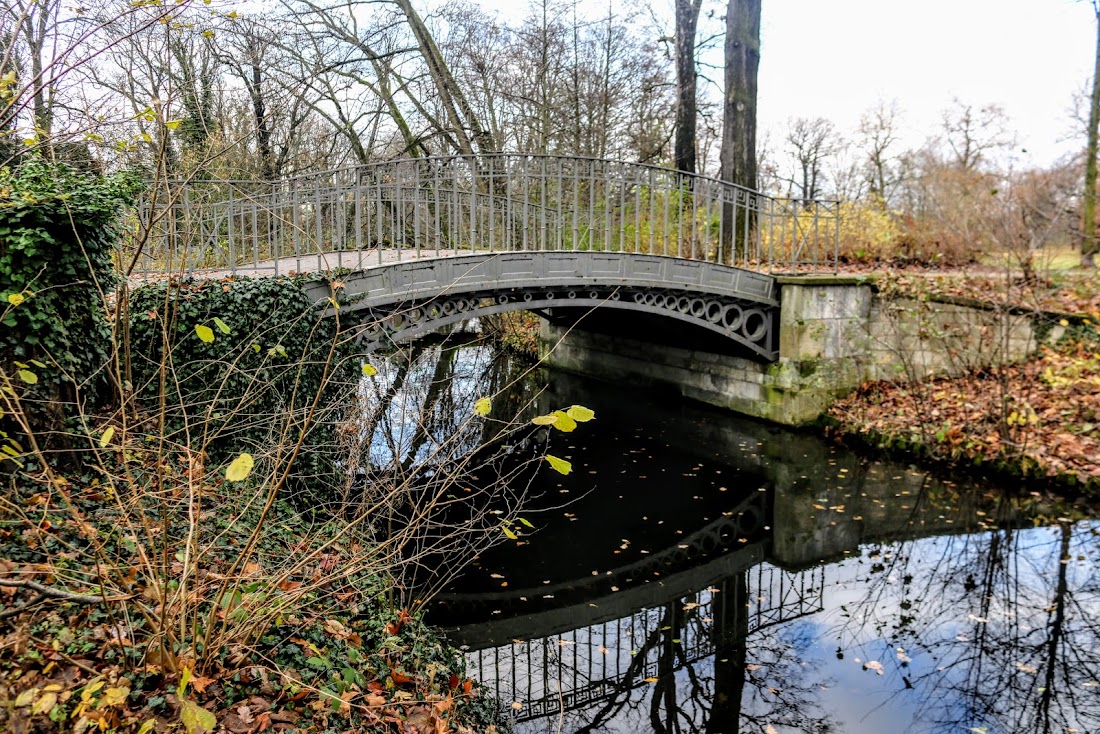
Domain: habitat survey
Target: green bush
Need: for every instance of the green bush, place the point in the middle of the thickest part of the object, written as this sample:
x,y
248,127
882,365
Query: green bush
x,y
58,228
240,365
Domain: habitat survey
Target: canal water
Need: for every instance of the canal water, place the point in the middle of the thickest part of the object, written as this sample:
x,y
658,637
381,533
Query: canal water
x,y
700,572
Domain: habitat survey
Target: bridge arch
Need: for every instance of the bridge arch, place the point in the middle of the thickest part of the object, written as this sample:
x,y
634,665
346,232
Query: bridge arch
x,y
401,301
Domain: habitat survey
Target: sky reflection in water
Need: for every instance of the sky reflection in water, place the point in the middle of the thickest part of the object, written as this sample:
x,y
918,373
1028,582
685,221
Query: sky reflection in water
x,y
714,574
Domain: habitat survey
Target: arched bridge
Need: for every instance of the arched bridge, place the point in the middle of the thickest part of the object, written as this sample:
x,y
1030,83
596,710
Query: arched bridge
x,y
417,243
400,302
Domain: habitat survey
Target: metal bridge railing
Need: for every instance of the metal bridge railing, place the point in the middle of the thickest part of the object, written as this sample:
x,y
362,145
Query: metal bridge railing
x,y
370,214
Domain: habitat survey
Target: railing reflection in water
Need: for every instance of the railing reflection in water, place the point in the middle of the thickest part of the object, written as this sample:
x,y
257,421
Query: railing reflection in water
x,y
549,675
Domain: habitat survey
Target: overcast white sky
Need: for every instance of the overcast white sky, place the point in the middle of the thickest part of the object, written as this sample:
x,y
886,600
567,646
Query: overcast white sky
x,y
835,58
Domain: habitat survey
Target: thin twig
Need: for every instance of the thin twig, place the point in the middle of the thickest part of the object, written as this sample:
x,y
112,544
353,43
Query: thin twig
x,y
52,593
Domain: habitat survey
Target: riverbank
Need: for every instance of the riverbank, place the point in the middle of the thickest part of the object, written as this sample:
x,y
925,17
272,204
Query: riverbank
x,y
187,551
263,645
1038,419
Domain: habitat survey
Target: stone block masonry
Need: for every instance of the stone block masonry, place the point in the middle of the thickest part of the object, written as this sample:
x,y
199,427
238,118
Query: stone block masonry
x,y
835,333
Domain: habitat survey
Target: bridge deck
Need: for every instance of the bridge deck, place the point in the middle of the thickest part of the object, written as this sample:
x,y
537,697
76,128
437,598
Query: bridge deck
x,y
302,264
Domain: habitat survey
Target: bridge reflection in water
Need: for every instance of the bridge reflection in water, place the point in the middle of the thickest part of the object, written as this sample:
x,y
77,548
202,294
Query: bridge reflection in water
x,y
593,667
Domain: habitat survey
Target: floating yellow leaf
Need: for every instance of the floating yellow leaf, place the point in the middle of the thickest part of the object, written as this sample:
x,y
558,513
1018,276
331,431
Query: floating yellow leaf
x,y
172,124
28,377
526,522
222,326
545,420
580,414
508,532
240,468
204,332
483,406
107,436
369,370
559,465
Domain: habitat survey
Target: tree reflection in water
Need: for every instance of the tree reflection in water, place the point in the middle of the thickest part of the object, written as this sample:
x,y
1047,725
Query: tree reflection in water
x,y
995,632
445,479
880,599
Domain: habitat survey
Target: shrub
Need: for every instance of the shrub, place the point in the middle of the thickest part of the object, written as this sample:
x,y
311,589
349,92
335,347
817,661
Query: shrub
x,y
58,228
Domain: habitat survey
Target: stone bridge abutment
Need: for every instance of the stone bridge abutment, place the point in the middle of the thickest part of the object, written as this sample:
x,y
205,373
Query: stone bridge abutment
x,y
834,334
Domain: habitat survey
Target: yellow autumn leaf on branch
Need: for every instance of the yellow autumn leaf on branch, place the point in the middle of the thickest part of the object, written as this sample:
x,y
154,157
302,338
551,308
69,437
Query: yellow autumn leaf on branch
x,y
580,414
240,468
483,406
204,332
559,465
563,422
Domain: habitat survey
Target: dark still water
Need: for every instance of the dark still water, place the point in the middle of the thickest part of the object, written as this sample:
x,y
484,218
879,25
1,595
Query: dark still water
x,y
698,572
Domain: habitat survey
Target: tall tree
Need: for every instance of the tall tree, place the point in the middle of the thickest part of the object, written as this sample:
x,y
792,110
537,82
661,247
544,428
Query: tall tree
x,y
878,134
687,21
1089,244
811,143
467,129
742,56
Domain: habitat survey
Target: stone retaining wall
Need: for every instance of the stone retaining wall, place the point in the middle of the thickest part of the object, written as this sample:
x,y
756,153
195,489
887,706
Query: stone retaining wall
x,y
834,334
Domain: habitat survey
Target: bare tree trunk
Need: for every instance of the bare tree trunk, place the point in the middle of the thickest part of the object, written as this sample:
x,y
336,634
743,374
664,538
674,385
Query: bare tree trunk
x,y
687,21
742,54
461,114
1089,244
259,114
